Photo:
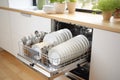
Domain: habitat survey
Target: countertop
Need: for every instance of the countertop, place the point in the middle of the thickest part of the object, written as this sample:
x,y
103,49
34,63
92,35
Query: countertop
x,y
80,18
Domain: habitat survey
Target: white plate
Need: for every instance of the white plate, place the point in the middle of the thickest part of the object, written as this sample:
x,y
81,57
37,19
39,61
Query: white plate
x,y
65,37
50,39
60,37
54,57
60,48
61,52
86,40
70,47
80,43
56,38
79,46
68,34
64,51
85,43
76,45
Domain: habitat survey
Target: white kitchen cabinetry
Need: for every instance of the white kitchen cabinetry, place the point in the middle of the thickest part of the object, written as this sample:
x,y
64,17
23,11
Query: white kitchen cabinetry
x,y
24,24
19,25
105,59
5,30
41,24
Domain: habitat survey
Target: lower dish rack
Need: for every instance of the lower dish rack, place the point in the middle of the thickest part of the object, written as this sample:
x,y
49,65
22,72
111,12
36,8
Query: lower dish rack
x,y
43,65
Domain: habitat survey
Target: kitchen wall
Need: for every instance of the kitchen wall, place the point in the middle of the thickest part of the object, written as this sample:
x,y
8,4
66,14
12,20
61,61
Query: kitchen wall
x,y
20,3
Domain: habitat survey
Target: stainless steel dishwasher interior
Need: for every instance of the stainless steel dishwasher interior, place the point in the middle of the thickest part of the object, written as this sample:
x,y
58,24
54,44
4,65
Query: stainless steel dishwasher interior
x,y
81,72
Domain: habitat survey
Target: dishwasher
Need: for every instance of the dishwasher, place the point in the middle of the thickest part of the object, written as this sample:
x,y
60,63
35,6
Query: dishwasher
x,y
74,69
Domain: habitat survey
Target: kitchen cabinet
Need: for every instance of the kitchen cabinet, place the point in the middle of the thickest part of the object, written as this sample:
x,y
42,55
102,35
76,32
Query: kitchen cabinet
x,y
5,30
14,25
41,23
24,25
19,27
105,56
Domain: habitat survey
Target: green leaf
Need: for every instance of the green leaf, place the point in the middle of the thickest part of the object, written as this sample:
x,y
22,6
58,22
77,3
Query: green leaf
x,y
107,5
52,1
72,0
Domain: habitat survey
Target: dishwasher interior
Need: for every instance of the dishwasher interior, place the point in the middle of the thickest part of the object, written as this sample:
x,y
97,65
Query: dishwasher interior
x,y
81,72
75,69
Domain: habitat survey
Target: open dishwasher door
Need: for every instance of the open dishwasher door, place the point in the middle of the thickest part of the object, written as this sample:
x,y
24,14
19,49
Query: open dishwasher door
x,y
76,68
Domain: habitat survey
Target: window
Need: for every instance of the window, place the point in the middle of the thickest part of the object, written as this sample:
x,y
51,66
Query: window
x,y
82,5
85,4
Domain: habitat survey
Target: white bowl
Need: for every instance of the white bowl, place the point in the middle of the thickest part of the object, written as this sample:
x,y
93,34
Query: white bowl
x,y
48,9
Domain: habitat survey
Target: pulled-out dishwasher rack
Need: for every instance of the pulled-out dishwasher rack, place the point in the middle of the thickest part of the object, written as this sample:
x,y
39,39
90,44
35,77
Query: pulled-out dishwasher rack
x,y
31,58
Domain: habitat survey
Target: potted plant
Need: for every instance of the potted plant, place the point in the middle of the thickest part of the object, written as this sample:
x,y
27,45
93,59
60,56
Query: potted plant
x,y
107,7
71,4
117,11
59,5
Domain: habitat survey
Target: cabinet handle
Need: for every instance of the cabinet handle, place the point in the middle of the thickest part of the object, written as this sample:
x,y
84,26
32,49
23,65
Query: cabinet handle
x,y
27,15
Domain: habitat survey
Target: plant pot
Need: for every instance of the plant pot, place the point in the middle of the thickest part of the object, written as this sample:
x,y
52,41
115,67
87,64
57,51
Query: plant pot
x,y
107,15
40,4
59,8
71,7
117,13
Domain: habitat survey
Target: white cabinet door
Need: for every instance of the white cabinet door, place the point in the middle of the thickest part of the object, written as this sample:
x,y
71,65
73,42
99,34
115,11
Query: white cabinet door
x,y
24,24
5,30
105,58
41,24
20,24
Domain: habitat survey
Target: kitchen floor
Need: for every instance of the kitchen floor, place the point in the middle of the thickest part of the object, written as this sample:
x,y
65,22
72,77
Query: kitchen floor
x,y
12,69
1,49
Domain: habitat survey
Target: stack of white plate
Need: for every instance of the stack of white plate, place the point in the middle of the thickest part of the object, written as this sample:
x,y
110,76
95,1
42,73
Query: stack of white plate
x,y
58,37
68,50
49,8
